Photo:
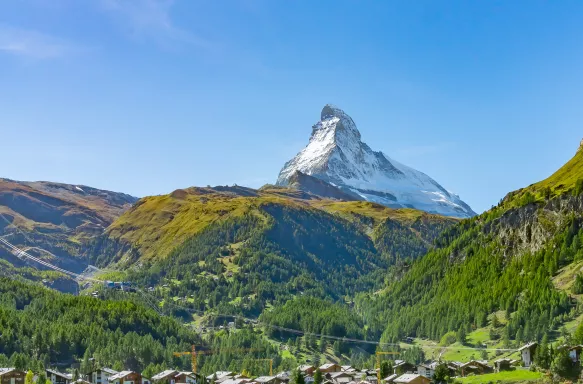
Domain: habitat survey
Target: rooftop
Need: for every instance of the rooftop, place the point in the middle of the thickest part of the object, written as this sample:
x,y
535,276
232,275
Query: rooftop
x,y
120,375
529,345
406,378
164,374
5,370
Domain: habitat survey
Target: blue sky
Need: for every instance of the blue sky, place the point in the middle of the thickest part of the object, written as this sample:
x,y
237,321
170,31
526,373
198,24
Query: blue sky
x,y
146,96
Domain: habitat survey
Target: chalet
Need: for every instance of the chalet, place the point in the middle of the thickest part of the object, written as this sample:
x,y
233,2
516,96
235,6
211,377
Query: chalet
x,y
427,370
237,381
391,378
401,367
101,375
307,369
185,378
575,353
221,375
372,379
348,368
56,377
330,367
504,364
339,377
125,377
80,381
474,366
284,376
165,377
411,378
267,380
11,376
527,353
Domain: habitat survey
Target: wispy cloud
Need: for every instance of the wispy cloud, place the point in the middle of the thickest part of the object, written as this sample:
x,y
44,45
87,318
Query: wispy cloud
x,y
31,44
150,19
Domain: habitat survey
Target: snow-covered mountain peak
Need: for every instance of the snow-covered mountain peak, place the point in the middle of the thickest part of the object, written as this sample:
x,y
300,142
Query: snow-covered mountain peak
x,y
335,154
335,121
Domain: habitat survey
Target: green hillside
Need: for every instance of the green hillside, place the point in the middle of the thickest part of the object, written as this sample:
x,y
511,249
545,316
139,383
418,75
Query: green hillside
x,y
242,251
506,261
39,325
568,179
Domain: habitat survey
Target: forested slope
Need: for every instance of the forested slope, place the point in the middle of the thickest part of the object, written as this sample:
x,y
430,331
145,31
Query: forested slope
x,y
239,250
503,260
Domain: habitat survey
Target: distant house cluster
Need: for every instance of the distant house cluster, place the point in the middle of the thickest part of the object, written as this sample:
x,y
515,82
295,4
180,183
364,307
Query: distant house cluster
x,y
332,373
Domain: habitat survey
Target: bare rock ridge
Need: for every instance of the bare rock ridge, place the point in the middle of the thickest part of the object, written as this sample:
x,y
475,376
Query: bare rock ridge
x,y
337,156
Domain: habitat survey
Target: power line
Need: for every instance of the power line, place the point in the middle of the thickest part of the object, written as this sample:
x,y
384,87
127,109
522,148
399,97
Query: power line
x,y
343,339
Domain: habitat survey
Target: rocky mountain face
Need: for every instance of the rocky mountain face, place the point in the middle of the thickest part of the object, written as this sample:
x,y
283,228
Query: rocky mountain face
x,y
55,221
337,156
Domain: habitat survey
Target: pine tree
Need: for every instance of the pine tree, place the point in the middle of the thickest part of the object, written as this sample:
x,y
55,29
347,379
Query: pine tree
x,y
461,335
441,374
385,369
86,366
29,379
337,348
495,321
297,377
323,345
318,378
41,378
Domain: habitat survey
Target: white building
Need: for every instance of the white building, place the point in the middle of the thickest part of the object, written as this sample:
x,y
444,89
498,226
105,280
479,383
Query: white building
x,y
527,353
101,375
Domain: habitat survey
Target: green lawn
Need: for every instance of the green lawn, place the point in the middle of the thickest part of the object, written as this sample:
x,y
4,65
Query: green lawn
x,y
462,354
517,376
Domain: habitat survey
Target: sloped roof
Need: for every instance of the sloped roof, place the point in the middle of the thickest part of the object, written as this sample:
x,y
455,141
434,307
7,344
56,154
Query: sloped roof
x,y
57,373
109,370
120,375
391,377
406,378
529,345
264,379
164,374
220,374
338,374
4,371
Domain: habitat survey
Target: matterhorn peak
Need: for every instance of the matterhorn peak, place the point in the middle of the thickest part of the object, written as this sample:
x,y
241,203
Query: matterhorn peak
x,y
336,121
331,110
336,155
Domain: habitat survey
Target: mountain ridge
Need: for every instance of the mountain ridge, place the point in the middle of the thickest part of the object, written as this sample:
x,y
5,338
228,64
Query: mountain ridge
x,y
55,221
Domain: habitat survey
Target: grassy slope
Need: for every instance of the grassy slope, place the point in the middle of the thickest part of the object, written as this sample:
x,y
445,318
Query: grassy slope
x,y
562,181
517,376
157,224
